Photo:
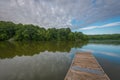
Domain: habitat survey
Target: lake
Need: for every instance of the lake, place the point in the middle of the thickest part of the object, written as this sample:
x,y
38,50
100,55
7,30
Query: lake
x,y
51,60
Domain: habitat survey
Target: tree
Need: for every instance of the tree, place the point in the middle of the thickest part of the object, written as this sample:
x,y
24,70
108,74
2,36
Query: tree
x,y
20,32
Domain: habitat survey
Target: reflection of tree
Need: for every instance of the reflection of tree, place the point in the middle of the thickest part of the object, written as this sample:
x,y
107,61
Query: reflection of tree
x,y
9,50
108,42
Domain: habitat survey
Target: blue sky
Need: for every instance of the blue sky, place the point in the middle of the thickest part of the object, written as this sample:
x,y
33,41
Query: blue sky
x,y
100,27
87,16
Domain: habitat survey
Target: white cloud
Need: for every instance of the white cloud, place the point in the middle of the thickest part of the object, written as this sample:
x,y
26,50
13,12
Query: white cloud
x,y
102,26
21,2
58,13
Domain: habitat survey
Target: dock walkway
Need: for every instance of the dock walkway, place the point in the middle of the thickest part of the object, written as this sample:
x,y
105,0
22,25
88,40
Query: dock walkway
x,y
85,67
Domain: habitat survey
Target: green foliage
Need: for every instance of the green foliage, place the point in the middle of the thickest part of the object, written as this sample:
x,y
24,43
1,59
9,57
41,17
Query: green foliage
x,y
105,37
6,31
20,32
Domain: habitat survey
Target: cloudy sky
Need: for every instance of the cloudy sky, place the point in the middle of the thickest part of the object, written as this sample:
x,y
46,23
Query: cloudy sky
x,y
87,16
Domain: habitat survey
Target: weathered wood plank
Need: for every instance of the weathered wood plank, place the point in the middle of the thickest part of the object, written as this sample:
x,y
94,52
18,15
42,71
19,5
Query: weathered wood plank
x,y
85,67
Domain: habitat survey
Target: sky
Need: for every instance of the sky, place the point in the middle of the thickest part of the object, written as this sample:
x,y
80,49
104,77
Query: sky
x,y
87,16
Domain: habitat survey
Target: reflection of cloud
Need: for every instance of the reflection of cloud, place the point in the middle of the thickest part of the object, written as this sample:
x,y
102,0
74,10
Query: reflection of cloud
x,y
43,66
87,50
58,13
102,26
100,52
109,54
75,50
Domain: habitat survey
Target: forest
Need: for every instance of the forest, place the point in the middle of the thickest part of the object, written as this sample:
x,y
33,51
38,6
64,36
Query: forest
x,y
28,32
104,37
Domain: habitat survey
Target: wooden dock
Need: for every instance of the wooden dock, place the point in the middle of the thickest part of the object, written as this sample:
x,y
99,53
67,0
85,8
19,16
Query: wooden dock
x,y
85,67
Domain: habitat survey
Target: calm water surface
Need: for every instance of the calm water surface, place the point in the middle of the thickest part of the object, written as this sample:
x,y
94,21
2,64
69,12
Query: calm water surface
x,y
51,60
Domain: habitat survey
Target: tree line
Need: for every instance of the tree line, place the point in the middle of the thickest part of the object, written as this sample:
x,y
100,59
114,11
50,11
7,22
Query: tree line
x,y
104,37
29,32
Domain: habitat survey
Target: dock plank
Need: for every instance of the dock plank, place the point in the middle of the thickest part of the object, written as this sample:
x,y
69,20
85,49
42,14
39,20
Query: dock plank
x,y
85,67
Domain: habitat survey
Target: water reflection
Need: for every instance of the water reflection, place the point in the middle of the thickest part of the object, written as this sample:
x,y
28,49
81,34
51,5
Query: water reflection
x,y
43,66
108,42
35,60
11,49
51,60
108,55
